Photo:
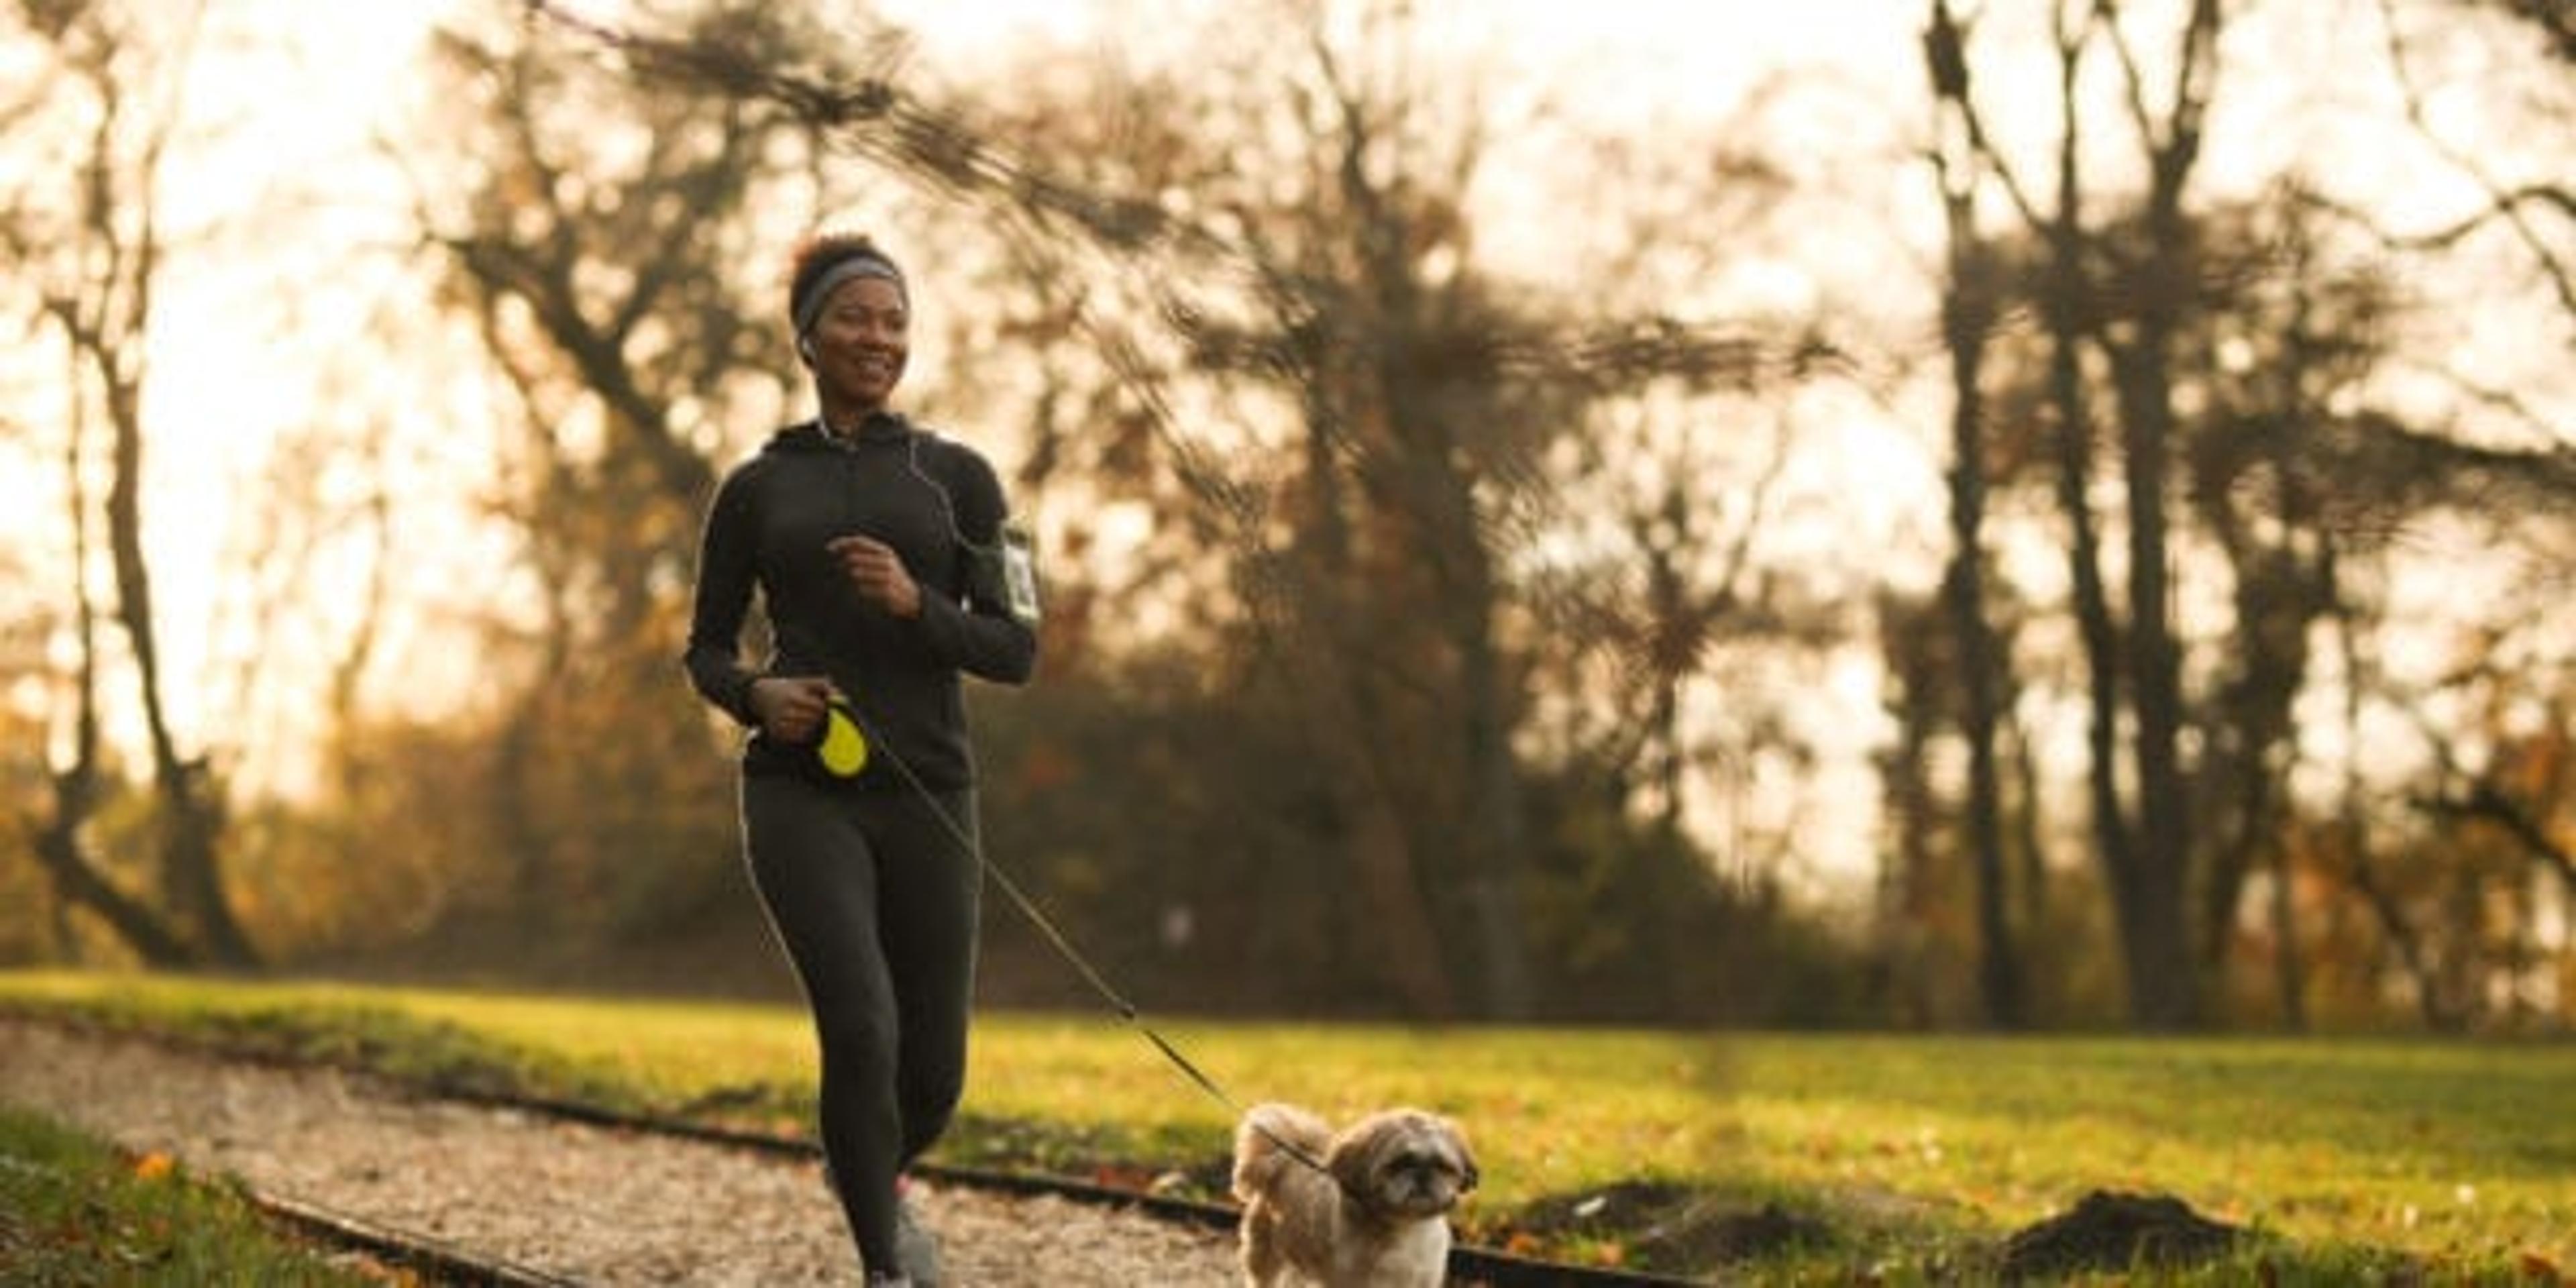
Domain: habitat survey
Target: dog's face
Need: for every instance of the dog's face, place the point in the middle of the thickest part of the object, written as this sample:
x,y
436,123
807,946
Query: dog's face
x,y
1403,1164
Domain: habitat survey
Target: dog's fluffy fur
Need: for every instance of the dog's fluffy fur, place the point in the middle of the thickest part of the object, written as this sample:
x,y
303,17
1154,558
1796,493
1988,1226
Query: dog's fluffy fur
x,y
1375,1216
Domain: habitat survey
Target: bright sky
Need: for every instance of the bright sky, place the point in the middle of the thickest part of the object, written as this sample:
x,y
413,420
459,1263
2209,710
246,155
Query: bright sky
x,y
296,92
293,93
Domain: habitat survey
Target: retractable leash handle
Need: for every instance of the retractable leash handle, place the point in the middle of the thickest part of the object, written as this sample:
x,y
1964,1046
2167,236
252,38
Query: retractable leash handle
x,y
843,748
840,748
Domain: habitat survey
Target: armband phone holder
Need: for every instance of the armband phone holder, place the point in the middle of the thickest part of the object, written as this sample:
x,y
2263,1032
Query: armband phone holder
x,y
1020,572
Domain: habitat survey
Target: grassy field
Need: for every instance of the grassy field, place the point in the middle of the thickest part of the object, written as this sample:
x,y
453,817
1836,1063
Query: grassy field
x,y
74,1211
1787,1158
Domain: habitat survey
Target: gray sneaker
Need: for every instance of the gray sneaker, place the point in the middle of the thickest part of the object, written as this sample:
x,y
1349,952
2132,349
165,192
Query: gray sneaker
x,y
916,1249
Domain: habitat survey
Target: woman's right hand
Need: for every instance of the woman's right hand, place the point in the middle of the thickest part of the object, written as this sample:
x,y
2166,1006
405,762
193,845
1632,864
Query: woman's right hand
x,y
791,707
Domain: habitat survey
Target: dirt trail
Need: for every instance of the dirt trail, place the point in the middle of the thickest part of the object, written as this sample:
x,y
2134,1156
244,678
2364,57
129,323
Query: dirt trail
x,y
585,1203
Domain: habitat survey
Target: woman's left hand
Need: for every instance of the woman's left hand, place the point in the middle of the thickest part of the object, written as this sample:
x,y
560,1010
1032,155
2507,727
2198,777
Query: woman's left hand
x,y
878,572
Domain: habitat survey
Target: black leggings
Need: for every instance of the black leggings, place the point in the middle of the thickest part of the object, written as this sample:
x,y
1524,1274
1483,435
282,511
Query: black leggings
x,y
875,904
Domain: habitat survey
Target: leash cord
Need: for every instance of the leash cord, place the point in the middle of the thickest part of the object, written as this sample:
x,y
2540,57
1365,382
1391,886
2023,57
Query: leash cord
x,y
1046,926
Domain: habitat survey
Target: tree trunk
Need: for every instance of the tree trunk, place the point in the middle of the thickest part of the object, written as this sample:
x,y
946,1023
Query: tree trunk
x,y
1906,871
2289,969
191,824
1428,397
76,877
1967,313
1498,813
2155,921
1317,652
1384,866
1968,310
57,845
1493,811
77,881
2162,993
2030,847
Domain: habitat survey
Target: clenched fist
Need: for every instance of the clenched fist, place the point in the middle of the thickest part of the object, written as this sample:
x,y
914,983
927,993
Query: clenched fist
x,y
791,707
878,572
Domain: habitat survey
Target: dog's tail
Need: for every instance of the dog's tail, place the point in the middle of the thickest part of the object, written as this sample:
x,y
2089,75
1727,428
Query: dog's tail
x,y
1261,1141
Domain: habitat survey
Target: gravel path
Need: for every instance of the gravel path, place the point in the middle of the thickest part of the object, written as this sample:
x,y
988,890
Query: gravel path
x,y
592,1204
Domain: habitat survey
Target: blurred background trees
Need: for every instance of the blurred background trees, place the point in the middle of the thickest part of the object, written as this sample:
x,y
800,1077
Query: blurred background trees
x,y
2034,557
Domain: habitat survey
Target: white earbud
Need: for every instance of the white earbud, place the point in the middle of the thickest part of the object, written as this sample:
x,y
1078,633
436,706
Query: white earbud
x,y
805,345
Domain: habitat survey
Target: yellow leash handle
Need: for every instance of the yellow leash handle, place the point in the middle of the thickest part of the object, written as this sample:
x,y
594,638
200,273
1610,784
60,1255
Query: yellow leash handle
x,y
843,750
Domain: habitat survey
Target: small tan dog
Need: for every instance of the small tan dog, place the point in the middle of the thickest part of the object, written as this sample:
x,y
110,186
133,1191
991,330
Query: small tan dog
x,y
1376,1214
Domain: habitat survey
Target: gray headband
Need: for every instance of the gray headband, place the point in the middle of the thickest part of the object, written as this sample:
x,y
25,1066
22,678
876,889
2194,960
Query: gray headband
x,y
861,264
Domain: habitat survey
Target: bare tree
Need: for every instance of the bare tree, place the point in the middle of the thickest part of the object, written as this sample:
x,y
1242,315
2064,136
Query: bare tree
x,y
94,255
2123,295
60,839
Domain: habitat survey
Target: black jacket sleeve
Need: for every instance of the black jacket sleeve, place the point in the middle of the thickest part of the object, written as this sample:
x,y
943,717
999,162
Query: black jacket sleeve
x,y
727,575
973,629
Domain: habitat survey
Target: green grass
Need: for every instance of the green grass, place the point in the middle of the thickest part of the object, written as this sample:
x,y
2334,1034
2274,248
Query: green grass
x,y
1910,1158
73,1211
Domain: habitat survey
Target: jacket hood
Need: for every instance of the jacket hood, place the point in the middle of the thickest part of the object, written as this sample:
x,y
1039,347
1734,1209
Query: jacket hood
x,y
808,436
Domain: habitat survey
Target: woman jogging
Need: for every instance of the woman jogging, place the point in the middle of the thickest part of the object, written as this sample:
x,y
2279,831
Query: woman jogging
x,y
887,569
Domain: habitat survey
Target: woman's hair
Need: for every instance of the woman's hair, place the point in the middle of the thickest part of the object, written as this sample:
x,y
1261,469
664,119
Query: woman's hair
x,y
824,261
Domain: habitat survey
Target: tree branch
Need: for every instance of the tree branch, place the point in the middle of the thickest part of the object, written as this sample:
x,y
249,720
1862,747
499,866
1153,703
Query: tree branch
x,y
2502,202
2483,801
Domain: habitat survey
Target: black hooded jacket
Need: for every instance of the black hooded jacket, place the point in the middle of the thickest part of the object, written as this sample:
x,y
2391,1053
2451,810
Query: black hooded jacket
x,y
930,499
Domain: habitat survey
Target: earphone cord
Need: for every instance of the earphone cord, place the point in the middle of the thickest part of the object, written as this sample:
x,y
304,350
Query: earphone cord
x,y
1046,926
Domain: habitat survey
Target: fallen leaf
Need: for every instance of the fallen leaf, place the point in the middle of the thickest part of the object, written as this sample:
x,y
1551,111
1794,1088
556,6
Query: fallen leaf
x,y
153,1166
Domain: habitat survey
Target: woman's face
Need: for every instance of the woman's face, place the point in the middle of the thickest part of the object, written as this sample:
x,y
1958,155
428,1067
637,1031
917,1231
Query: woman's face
x,y
861,341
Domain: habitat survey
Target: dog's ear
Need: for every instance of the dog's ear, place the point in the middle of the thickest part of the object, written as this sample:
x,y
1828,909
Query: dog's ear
x,y
1468,1175
1351,1158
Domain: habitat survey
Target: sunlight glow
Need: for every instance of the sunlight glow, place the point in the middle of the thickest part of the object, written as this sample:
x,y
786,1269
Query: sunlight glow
x,y
291,178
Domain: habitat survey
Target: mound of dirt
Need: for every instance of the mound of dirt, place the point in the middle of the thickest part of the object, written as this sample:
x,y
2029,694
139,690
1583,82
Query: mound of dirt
x,y
1674,1225
2111,1231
